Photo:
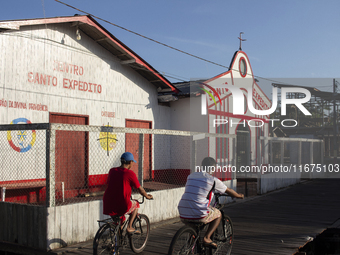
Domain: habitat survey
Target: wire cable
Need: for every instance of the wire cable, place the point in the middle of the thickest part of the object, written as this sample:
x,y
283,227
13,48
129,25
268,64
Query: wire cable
x,y
143,36
163,44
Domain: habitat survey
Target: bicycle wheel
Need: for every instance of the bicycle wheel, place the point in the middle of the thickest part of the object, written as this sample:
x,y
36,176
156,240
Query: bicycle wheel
x,y
183,242
138,241
224,237
106,241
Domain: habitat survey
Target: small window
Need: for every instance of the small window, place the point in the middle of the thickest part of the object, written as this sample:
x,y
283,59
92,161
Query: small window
x,y
243,67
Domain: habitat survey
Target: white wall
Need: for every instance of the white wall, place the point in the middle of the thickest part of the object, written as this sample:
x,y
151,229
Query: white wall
x,y
78,222
24,54
33,52
273,181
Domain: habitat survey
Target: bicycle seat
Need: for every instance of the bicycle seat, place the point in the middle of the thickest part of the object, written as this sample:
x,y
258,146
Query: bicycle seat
x,y
117,217
105,220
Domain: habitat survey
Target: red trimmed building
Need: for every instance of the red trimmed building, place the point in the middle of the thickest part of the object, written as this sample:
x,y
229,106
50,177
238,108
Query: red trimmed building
x,y
188,114
72,70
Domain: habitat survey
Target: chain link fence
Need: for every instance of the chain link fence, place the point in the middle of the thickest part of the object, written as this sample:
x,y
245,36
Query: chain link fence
x,y
23,163
56,164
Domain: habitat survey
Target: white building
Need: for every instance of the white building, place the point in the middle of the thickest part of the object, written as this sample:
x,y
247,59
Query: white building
x,y
72,70
220,116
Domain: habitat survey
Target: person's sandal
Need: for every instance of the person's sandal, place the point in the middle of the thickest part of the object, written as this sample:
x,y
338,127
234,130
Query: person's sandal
x,y
135,232
210,245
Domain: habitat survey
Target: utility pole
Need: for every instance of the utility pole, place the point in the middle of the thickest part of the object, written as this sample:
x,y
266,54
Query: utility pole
x,y
335,129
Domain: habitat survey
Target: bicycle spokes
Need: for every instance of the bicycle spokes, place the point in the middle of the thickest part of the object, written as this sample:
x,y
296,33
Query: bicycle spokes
x,y
228,232
188,245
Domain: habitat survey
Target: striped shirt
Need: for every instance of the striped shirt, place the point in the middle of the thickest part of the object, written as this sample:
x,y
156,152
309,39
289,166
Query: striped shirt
x,y
194,203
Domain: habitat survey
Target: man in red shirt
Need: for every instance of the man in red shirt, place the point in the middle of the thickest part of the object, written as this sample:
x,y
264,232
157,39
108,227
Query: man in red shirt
x,y
117,197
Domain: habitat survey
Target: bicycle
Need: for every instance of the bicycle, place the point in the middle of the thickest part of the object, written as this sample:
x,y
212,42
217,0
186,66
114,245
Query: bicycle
x,y
111,237
189,238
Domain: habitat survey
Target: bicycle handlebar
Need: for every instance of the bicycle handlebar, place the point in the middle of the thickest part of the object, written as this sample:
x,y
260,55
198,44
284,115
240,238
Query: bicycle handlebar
x,y
143,198
221,195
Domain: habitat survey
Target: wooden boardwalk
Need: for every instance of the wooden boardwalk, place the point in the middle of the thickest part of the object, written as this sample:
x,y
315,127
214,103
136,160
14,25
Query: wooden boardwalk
x,y
275,223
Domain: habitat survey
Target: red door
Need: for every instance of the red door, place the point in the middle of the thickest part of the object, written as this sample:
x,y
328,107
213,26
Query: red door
x,y
132,145
71,154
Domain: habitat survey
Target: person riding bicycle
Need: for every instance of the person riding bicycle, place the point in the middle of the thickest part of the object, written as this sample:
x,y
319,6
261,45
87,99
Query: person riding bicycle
x,y
194,204
117,197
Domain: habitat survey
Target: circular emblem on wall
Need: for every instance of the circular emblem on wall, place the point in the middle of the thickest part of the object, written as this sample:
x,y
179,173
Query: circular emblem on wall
x,y
21,140
107,140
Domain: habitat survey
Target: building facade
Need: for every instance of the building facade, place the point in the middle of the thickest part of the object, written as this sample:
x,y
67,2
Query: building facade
x,y
212,107
72,70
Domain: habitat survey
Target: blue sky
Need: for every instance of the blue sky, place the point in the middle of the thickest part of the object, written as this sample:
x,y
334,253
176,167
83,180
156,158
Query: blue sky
x,y
285,39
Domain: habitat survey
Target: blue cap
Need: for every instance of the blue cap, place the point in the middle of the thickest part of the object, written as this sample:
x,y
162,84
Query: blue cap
x,y
127,156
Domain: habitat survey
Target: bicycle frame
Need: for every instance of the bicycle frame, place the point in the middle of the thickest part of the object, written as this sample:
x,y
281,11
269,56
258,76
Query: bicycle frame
x,y
195,230
118,231
198,229
220,207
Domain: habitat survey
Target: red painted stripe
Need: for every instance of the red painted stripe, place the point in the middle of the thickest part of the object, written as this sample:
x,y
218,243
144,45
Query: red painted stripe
x,y
22,181
98,179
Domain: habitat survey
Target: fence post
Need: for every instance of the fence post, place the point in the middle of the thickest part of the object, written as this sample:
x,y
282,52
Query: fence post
x,y
3,194
50,166
141,159
193,155
259,163
48,136
299,154
311,149
271,151
322,150
234,156
282,148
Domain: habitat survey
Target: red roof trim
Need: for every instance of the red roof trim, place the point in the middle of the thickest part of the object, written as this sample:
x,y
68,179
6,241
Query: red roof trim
x,y
230,71
218,76
138,59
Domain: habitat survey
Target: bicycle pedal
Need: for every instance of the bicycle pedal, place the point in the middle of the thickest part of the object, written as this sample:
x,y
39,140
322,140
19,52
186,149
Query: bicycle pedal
x,y
113,251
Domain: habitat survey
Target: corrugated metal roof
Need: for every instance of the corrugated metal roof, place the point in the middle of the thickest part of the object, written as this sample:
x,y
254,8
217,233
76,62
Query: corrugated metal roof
x,y
104,38
325,95
189,88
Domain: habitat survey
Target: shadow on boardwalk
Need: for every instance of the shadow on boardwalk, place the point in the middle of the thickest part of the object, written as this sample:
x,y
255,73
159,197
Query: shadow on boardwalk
x,y
275,223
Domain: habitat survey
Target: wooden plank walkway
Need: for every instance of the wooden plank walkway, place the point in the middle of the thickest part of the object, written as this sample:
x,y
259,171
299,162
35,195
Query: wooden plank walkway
x,y
275,223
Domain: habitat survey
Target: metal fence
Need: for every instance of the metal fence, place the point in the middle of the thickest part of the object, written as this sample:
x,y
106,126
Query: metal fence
x,y
297,151
56,164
